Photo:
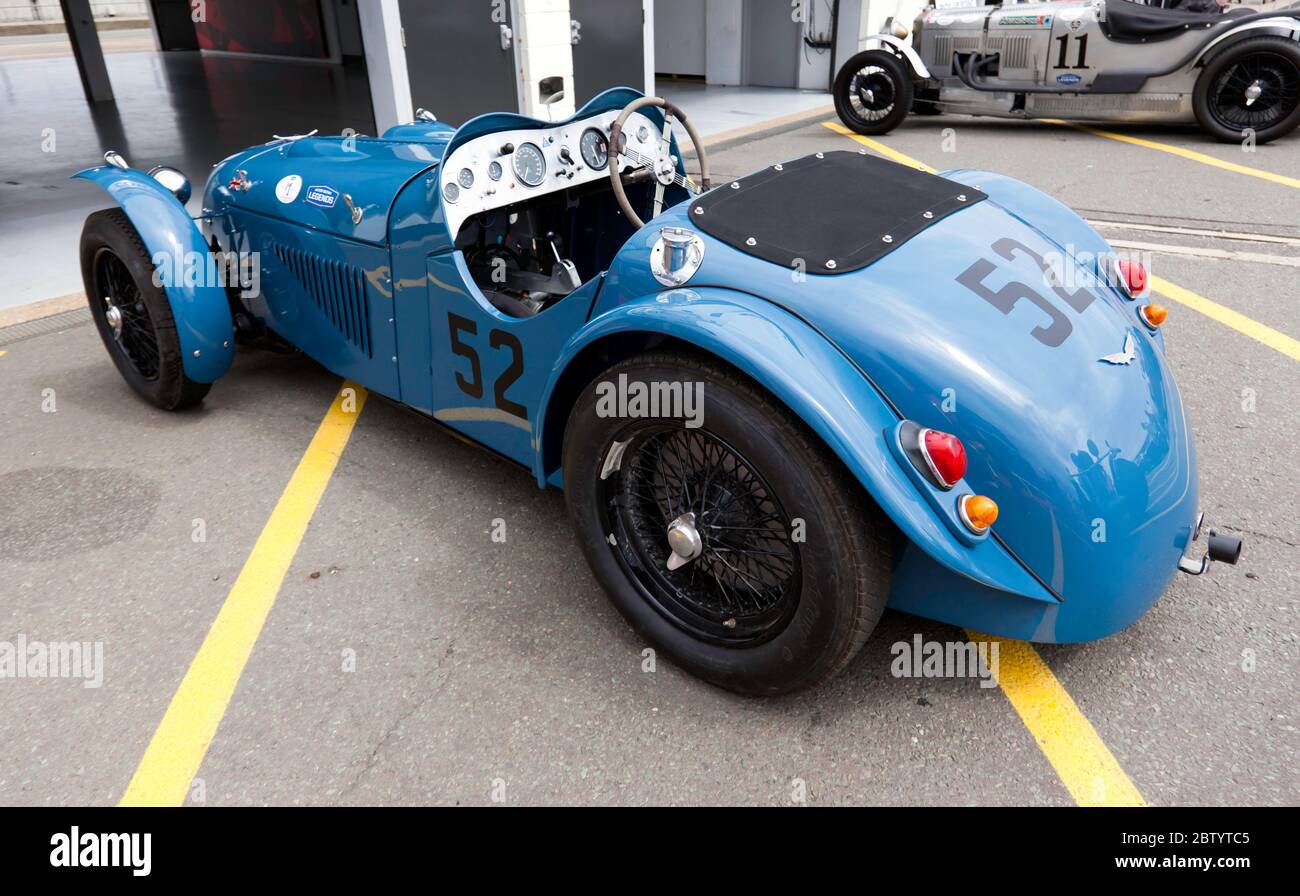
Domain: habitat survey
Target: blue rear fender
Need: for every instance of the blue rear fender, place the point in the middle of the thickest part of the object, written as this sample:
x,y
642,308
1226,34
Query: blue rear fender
x,y
201,310
815,381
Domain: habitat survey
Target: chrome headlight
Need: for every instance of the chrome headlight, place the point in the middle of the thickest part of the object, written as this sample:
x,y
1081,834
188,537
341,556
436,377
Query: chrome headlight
x,y
173,181
676,255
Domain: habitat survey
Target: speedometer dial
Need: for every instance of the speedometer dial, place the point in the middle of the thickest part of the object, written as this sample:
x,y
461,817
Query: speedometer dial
x,y
595,149
465,178
530,164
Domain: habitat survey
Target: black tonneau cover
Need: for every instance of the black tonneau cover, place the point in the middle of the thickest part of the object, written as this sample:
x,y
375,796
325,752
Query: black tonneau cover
x,y
837,211
1126,21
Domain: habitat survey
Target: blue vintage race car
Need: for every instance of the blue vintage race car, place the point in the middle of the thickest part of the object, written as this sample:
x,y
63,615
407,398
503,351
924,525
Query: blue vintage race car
x,y
775,406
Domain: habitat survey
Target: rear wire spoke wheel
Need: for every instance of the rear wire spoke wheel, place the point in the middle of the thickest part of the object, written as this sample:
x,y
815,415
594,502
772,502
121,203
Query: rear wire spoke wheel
x,y
787,560
744,585
873,92
1253,86
132,314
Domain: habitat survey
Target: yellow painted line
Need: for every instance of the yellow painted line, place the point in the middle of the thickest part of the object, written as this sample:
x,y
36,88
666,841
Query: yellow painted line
x,y
1184,153
3,353
887,151
181,741
1085,766
1229,318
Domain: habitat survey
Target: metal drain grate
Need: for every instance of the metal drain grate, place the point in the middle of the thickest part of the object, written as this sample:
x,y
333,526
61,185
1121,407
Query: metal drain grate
x,y
41,326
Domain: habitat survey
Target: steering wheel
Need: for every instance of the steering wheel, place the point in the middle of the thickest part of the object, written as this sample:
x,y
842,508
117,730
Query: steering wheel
x,y
662,166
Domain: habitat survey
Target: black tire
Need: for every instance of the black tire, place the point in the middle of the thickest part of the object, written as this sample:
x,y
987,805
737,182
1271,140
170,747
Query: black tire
x,y
751,462
116,268
1219,97
881,85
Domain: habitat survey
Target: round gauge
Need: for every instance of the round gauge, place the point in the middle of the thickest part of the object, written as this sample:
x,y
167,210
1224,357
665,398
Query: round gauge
x,y
465,178
595,149
643,133
494,170
530,164
451,192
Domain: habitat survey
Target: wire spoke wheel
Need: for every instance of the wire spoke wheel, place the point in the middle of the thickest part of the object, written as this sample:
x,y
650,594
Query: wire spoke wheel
x,y
127,314
872,93
1255,92
744,584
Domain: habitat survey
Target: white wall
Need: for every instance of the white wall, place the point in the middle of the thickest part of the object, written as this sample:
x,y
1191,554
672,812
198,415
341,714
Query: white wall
x,y
543,49
723,21
814,70
49,11
680,33
724,35
390,86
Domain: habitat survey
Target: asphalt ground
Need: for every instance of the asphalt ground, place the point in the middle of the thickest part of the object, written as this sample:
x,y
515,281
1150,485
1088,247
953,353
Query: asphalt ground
x,y
408,658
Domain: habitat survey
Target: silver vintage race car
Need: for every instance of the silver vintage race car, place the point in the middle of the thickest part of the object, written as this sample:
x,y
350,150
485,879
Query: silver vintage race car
x,y
1237,73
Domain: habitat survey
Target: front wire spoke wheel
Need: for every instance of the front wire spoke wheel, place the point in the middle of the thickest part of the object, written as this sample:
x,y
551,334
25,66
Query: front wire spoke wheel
x,y
133,328
872,94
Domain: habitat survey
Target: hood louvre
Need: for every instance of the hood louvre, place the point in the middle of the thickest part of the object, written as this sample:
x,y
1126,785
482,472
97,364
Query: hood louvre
x,y
338,290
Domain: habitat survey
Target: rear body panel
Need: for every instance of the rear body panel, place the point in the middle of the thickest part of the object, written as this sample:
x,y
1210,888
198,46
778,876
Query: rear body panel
x,y
1092,463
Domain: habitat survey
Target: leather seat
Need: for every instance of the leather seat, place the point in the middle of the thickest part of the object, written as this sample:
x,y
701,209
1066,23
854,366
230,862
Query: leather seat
x,y
1134,22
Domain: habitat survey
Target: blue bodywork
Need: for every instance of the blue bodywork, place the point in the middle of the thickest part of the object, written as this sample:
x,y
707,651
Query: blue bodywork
x,y
1092,464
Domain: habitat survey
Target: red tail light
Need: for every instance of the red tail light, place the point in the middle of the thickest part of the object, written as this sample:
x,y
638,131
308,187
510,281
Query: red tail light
x,y
1132,277
944,455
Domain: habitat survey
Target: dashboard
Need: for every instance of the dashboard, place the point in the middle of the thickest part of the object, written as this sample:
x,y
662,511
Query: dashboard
x,y
511,166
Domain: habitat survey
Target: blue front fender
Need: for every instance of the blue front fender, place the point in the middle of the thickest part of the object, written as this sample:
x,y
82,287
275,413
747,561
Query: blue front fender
x,y
201,312
819,384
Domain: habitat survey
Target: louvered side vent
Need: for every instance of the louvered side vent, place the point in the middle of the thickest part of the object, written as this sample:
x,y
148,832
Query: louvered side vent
x,y
337,289
1014,50
945,45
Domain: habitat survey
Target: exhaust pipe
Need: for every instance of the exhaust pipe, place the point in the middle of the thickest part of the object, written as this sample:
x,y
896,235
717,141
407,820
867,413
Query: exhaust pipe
x,y
1222,548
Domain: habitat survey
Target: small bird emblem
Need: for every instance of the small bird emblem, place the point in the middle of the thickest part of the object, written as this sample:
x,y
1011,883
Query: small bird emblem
x,y
1124,357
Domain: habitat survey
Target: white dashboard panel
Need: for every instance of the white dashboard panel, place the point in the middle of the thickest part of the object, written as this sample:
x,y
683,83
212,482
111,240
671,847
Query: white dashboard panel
x,y
485,192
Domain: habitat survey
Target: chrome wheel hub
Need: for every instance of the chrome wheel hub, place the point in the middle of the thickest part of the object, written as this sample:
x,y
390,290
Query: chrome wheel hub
x,y
1253,92
685,541
114,317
